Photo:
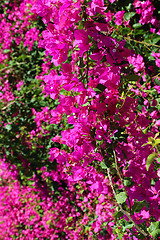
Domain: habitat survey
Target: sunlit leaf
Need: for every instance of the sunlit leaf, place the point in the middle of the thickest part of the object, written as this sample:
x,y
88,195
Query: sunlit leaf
x,y
150,159
121,197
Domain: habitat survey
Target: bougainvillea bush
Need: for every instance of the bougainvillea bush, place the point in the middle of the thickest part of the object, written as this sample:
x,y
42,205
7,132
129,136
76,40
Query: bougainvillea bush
x,y
80,119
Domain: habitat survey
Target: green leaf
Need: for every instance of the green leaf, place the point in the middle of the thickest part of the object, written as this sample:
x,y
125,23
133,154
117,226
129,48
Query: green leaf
x,y
80,26
151,58
121,197
150,159
132,77
127,226
8,127
151,140
145,144
100,88
138,206
118,214
86,104
129,6
6,50
137,25
138,31
157,82
158,159
120,236
129,15
157,141
126,31
155,40
154,229
103,165
97,90
128,182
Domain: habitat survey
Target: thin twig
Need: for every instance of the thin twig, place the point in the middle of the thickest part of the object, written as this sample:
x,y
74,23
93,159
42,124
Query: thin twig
x,y
12,102
87,68
5,68
135,225
8,67
110,180
142,42
118,172
123,211
156,75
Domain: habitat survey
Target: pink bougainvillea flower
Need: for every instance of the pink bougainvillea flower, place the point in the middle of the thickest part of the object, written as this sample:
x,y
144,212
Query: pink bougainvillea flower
x,y
96,6
119,17
157,57
19,85
97,55
137,63
81,39
157,123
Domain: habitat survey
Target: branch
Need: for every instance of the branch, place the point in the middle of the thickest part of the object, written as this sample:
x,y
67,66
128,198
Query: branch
x,y
118,172
87,67
12,102
142,42
9,67
125,212
5,68
156,75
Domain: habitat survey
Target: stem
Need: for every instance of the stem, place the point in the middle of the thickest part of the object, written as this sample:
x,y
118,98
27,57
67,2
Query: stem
x,y
87,68
1,70
118,172
156,75
142,42
8,67
12,102
125,212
